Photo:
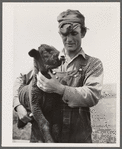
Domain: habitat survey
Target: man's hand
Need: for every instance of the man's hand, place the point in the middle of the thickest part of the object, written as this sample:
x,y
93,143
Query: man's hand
x,y
49,85
22,114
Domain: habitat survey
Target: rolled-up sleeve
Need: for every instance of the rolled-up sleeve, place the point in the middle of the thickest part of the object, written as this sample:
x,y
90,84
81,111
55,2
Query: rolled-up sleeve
x,y
89,94
18,82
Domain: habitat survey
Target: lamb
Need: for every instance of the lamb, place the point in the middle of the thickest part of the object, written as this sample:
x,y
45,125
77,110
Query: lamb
x,y
45,107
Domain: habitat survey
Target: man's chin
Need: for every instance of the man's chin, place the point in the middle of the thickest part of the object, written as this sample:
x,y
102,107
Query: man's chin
x,y
70,48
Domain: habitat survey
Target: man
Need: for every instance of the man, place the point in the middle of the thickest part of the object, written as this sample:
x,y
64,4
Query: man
x,y
81,91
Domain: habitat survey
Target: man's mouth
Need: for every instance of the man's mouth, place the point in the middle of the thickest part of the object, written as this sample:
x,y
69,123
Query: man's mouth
x,y
69,44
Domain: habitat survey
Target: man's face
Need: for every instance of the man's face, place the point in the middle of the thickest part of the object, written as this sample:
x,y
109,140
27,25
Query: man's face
x,y
72,41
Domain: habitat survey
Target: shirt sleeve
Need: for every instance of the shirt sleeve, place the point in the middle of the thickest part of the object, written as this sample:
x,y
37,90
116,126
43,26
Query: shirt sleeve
x,y
20,82
17,84
89,94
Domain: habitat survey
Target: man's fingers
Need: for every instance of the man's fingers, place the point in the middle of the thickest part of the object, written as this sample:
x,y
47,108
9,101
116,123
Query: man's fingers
x,y
38,84
52,75
41,77
38,79
26,119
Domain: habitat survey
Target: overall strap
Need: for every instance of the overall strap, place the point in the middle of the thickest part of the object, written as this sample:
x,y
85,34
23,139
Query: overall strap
x,y
75,79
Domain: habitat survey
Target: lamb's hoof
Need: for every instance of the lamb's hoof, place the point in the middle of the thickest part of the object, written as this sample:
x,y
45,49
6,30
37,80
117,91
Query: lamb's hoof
x,y
21,124
50,141
40,142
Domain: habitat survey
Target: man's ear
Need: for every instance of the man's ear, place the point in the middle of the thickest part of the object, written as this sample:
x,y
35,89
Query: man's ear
x,y
83,32
33,53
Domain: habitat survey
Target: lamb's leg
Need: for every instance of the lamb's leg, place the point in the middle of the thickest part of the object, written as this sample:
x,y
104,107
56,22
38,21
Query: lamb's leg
x,y
24,100
43,124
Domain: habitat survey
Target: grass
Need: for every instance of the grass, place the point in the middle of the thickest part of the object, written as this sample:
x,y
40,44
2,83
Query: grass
x,y
103,118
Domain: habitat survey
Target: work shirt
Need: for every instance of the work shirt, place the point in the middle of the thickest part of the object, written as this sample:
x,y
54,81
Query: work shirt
x,y
82,90
89,94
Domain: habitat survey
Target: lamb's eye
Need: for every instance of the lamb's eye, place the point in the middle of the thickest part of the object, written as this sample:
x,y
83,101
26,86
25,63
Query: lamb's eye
x,y
44,52
46,56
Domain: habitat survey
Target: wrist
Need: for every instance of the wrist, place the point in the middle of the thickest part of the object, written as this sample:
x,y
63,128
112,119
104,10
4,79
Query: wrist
x,y
17,107
61,89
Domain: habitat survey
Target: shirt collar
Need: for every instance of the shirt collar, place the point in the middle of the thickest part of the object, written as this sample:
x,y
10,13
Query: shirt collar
x,y
81,52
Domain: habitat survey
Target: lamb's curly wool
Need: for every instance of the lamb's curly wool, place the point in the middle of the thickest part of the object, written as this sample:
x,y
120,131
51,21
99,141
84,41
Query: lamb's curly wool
x,y
45,106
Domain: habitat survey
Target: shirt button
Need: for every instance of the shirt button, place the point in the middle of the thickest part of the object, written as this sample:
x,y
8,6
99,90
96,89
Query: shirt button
x,y
80,69
56,77
54,72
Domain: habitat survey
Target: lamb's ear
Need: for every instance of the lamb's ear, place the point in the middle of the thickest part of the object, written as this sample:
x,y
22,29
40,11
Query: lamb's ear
x,y
33,53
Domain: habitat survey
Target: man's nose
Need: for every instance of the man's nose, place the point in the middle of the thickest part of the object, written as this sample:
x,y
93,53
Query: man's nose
x,y
69,38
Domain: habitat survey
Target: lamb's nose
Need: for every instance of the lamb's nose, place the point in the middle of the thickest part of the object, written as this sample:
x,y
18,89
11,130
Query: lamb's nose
x,y
59,56
62,58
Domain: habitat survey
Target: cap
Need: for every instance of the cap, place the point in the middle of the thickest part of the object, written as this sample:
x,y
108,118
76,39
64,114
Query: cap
x,y
71,16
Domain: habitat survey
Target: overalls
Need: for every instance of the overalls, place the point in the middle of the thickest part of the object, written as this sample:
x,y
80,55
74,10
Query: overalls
x,y
76,123
76,127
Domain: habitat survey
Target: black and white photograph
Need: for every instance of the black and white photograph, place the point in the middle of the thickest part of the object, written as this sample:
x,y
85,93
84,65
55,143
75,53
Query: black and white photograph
x,y
60,74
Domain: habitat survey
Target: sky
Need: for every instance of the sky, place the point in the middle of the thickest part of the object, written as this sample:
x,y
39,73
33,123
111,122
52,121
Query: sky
x,y
36,23
28,25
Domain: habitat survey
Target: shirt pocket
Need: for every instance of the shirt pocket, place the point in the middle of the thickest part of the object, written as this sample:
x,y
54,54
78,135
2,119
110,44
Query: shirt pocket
x,y
76,79
71,78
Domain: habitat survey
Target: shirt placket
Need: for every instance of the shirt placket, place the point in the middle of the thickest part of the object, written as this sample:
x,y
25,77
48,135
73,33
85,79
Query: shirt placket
x,y
66,111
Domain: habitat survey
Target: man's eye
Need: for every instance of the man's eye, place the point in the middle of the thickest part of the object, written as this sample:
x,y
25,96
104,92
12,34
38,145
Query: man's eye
x,y
74,33
63,35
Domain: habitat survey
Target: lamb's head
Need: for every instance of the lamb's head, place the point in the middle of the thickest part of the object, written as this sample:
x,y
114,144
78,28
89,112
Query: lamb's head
x,y
46,57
